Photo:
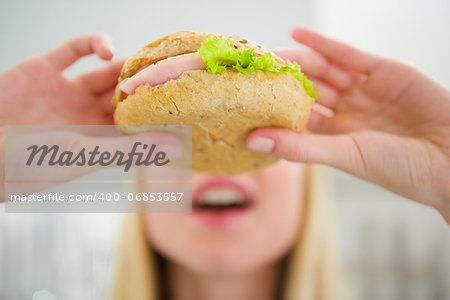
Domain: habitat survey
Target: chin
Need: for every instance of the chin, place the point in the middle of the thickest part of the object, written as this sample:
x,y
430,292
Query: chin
x,y
225,256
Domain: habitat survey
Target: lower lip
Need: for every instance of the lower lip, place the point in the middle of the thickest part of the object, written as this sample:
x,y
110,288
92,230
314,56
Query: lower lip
x,y
222,219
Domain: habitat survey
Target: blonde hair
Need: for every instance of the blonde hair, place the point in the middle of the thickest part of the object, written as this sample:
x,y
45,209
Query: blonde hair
x,y
312,271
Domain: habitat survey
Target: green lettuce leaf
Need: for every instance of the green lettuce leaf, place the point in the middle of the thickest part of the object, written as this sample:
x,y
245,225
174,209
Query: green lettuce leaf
x,y
219,53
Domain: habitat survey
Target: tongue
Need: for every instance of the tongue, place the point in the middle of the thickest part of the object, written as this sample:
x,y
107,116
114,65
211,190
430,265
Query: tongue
x,y
162,71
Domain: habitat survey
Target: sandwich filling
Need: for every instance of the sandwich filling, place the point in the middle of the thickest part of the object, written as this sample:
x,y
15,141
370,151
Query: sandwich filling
x,y
215,55
164,70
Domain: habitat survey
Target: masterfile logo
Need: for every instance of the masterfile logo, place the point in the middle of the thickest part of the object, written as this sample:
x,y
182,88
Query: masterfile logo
x,y
98,168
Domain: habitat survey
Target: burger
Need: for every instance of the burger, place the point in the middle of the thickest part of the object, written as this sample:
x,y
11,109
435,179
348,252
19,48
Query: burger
x,y
223,86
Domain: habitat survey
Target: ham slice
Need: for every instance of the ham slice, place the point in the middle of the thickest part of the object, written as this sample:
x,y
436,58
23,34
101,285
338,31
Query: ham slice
x,y
172,68
162,71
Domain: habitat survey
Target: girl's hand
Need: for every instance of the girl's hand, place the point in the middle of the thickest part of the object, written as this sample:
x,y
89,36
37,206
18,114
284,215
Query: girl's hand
x,y
391,123
36,91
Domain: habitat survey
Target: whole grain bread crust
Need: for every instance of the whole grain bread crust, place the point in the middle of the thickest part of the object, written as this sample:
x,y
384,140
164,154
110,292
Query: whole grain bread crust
x,y
222,108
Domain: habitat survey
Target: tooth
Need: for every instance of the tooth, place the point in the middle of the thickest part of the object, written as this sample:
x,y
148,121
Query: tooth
x,y
221,197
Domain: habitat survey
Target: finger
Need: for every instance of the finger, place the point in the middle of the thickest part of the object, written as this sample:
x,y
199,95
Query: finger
x,y
102,79
323,106
318,114
105,100
315,119
337,52
68,53
329,96
339,151
314,64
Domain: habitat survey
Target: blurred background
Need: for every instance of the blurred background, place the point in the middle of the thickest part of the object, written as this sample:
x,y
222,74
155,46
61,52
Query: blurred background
x,y
392,248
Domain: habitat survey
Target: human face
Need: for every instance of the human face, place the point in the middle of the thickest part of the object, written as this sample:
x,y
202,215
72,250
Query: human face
x,y
233,240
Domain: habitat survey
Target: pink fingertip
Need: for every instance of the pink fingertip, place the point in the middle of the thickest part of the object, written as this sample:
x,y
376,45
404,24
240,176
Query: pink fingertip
x,y
105,49
323,110
109,46
262,144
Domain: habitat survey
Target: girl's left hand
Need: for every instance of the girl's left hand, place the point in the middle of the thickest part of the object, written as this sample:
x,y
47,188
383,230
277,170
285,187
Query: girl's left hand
x,y
391,123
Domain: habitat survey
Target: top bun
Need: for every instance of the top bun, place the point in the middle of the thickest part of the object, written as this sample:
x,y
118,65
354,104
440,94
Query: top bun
x,y
222,108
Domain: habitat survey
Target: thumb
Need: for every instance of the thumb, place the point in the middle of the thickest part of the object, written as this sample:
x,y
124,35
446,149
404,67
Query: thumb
x,y
340,151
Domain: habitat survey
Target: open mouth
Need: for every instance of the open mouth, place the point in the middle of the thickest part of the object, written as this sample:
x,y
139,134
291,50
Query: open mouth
x,y
221,203
221,199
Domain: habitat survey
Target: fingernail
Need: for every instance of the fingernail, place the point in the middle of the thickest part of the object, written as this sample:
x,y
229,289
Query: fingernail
x,y
108,44
261,144
170,150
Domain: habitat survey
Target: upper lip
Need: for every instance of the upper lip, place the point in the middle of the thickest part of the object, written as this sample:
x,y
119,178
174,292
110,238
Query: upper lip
x,y
222,182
